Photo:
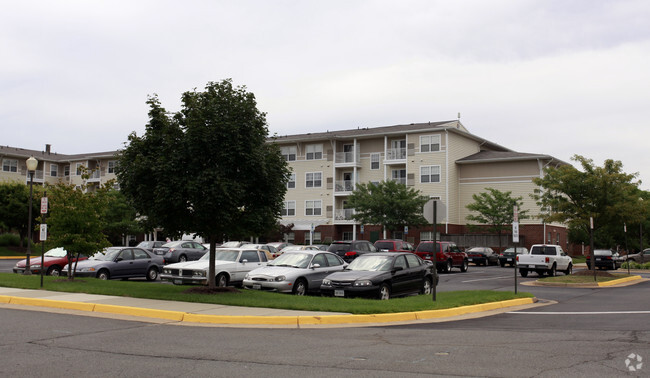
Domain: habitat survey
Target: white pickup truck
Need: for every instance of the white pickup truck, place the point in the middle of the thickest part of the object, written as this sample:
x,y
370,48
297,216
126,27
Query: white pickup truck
x,y
544,258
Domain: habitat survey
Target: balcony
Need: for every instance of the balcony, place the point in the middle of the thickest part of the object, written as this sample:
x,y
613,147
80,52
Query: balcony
x,y
399,180
38,176
94,176
344,216
343,187
395,156
348,159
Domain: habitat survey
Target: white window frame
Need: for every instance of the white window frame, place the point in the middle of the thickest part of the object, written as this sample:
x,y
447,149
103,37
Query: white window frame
x,y
54,170
289,152
375,158
347,235
313,207
314,152
9,165
112,164
316,236
78,169
429,143
313,180
291,184
428,171
288,209
66,171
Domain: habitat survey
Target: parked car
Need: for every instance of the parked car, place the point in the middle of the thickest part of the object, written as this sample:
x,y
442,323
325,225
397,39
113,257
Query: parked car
x,y
180,251
448,255
394,245
294,248
322,247
605,259
351,249
151,244
271,251
381,275
508,257
230,267
482,256
640,257
297,272
53,261
119,262
233,244
544,258
279,245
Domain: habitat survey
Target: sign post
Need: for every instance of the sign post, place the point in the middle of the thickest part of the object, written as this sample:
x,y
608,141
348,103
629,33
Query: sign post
x,y
515,238
591,246
43,232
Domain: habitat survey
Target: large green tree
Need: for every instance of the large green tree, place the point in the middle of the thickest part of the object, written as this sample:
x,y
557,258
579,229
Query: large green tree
x,y
607,194
14,207
495,209
388,203
119,218
207,169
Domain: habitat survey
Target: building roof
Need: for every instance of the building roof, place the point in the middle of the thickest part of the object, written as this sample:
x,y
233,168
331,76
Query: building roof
x,y
501,156
18,152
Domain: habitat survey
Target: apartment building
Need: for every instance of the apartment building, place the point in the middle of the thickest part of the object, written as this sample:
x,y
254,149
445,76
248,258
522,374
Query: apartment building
x,y
442,160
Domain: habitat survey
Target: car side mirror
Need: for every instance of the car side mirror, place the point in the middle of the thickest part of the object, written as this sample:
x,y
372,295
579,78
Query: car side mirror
x,y
118,259
314,266
397,269
244,261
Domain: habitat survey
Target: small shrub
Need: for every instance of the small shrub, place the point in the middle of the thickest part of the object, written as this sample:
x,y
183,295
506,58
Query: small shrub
x,y
9,240
646,266
634,265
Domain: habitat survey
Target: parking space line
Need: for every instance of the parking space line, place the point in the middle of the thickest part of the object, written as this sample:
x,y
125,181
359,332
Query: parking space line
x,y
485,279
581,313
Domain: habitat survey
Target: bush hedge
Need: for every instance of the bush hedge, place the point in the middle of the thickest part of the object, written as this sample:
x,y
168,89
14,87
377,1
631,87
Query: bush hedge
x,y
9,240
636,265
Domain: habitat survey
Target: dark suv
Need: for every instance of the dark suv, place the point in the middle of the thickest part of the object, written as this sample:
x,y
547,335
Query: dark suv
x,y
350,249
393,245
448,255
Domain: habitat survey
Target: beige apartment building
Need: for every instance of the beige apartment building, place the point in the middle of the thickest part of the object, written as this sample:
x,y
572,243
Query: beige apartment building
x,y
442,160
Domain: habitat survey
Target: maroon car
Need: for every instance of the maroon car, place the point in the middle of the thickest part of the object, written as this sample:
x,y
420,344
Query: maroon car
x,y
53,261
448,255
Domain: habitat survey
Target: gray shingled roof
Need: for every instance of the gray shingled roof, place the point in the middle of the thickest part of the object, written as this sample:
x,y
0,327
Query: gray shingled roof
x,y
52,156
497,156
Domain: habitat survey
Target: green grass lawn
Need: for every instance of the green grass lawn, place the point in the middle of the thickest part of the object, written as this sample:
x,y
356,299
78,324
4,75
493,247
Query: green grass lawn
x,y
579,259
253,298
583,279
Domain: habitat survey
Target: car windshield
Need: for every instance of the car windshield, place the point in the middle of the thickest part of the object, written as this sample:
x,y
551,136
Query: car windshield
x,y
291,248
339,247
107,255
384,245
253,246
56,252
145,244
426,247
475,249
230,244
371,263
602,252
173,244
222,255
293,260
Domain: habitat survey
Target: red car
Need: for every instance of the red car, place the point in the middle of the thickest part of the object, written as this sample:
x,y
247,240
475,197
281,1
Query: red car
x,y
53,261
448,255
393,245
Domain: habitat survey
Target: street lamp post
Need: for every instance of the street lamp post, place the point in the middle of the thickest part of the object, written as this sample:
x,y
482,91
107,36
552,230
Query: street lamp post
x,y
32,163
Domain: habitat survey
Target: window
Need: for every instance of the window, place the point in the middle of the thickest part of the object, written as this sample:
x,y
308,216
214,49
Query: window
x,y
288,209
313,207
250,256
320,259
428,236
314,151
291,184
78,169
54,170
430,143
66,171
413,261
313,179
347,235
374,161
399,175
288,153
316,237
9,165
111,166
139,254
398,235
430,173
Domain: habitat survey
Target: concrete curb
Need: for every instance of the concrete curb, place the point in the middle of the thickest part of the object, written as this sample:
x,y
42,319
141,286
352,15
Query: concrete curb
x,y
14,257
619,282
300,320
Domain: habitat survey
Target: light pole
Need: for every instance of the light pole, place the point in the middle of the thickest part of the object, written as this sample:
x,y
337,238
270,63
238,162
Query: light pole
x,y
32,163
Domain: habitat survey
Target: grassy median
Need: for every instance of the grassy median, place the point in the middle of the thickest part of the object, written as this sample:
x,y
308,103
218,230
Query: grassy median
x,y
253,298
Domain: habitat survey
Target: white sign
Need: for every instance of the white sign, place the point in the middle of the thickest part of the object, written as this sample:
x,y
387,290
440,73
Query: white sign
x,y
406,229
515,232
43,232
515,215
441,211
43,205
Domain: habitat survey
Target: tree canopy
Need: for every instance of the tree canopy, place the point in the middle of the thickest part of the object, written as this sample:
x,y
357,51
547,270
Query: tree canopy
x,y
607,194
206,169
388,203
14,207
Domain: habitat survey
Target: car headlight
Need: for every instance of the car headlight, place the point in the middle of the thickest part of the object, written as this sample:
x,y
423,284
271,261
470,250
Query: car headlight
x,y
88,269
363,283
36,266
327,282
198,273
247,276
167,271
280,278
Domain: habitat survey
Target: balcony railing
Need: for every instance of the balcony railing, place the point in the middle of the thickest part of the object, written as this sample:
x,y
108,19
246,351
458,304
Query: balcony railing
x,y
399,180
396,154
348,158
344,215
94,176
344,186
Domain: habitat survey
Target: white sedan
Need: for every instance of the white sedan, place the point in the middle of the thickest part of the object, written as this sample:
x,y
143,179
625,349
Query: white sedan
x,y
231,265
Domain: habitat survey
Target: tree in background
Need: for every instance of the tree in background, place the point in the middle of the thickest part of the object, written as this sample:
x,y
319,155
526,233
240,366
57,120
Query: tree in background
x,y
14,207
495,210
208,169
606,193
388,203
119,218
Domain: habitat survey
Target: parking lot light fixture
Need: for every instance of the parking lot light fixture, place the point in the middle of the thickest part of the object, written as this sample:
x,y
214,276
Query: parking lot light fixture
x,y
32,163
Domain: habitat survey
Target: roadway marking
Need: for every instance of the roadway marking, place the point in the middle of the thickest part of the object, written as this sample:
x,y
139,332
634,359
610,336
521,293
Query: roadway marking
x,y
580,313
486,279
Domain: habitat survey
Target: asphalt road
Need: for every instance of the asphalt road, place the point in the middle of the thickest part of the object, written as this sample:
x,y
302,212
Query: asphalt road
x,y
588,332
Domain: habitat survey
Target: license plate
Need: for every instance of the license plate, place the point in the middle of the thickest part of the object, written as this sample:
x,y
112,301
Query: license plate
x,y
257,286
20,270
470,259
509,259
598,259
531,266
178,282
339,293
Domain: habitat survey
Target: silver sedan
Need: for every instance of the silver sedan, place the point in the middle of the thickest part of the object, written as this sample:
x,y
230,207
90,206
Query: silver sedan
x,y
296,272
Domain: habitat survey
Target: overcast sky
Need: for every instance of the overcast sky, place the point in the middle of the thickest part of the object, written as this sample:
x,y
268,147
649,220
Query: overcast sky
x,y
559,77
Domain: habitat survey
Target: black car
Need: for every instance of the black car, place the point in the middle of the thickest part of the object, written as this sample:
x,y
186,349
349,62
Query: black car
x,y
381,275
605,259
508,257
181,251
482,256
351,249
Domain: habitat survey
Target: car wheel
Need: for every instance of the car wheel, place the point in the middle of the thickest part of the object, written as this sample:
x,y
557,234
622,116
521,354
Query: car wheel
x,y
448,266
384,292
103,274
222,280
300,287
523,272
152,274
426,286
182,258
465,266
551,273
569,270
54,271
